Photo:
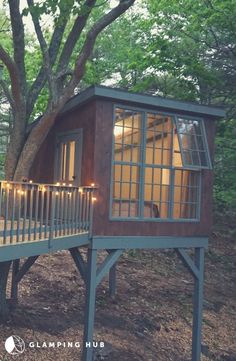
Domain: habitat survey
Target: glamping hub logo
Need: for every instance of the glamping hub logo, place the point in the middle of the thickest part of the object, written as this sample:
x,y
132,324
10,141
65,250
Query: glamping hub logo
x,y
14,345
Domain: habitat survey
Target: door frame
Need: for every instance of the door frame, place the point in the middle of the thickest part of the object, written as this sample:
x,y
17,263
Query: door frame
x,y
77,136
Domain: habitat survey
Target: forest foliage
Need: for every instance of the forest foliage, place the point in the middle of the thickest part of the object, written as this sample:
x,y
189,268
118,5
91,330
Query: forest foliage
x,y
179,49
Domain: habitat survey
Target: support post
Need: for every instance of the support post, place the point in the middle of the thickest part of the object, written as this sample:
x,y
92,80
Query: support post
x,y
79,262
90,305
4,271
14,283
198,305
112,281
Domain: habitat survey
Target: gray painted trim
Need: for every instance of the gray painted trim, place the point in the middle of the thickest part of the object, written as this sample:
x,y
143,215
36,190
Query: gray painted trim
x,y
147,100
34,248
148,242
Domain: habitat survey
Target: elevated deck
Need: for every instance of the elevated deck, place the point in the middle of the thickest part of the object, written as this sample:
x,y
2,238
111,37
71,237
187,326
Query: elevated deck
x,y
37,218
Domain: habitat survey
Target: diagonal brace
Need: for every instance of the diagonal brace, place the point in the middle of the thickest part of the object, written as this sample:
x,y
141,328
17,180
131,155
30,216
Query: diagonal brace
x,y
188,262
107,264
79,262
25,267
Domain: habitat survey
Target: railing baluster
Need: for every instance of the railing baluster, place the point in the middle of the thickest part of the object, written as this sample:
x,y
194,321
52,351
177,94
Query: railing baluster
x,y
47,194
13,213
57,211
73,211
18,226
30,213
61,211
69,211
65,212
36,211
41,213
77,209
6,214
52,215
24,213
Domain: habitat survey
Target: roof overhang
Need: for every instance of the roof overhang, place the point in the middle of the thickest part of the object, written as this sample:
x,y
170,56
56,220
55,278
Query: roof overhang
x,y
119,96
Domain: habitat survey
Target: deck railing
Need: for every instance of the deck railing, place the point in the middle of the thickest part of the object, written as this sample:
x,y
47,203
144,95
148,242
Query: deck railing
x,y
32,212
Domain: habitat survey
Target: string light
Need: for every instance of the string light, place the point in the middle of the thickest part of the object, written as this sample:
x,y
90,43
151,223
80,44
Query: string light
x,y
94,199
92,184
8,185
30,181
57,184
57,193
64,184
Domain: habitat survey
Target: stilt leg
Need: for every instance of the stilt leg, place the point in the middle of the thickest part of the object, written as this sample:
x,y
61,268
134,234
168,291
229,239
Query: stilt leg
x,y
14,283
198,305
90,305
112,281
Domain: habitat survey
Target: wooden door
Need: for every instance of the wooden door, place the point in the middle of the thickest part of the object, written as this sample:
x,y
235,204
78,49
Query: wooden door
x,y
68,158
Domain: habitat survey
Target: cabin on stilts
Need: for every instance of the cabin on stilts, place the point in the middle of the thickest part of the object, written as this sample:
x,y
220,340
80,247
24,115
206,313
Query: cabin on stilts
x,y
117,171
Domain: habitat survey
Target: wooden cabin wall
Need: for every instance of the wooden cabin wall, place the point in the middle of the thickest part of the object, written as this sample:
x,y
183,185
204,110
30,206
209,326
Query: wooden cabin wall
x,y
103,226
83,118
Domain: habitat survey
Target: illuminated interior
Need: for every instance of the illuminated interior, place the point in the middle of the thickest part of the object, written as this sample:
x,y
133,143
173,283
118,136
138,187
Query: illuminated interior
x,y
67,161
156,165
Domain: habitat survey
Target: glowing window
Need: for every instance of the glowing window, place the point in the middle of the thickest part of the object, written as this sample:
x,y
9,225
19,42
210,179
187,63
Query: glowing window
x,y
157,161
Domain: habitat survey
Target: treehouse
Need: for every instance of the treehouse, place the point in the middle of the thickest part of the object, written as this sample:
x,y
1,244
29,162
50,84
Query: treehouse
x,y
117,170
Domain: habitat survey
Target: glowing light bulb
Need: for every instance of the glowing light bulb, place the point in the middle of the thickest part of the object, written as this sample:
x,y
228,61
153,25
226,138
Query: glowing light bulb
x,y
94,199
92,184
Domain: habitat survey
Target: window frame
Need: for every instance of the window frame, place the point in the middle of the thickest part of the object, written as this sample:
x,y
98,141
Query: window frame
x,y
140,218
204,140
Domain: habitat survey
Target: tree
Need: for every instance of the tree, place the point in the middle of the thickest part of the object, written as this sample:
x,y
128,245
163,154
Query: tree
x,y
54,75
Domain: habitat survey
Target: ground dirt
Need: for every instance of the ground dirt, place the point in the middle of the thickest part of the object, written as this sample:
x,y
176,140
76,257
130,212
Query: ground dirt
x,y
149,319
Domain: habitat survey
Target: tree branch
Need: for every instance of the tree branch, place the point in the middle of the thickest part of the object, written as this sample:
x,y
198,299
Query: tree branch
x,y
44,49
18,41
74,35
7,92
86,51
54,47
14,76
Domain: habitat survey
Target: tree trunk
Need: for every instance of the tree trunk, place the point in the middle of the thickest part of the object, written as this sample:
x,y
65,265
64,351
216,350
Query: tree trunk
x,y
17,139
4,309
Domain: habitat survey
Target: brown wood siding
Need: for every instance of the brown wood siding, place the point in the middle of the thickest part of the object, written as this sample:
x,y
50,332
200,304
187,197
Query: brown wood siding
x,y
102,173
83,118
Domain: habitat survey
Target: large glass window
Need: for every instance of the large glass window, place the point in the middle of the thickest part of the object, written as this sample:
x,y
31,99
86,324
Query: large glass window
x,y
157,160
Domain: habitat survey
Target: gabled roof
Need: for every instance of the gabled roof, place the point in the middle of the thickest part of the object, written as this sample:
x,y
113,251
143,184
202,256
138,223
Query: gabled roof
x,y
142,100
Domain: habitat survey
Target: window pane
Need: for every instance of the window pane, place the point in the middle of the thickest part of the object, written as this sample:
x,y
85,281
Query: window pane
x,y
158,139
127,154
156,192
186,190
72,161
193,143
